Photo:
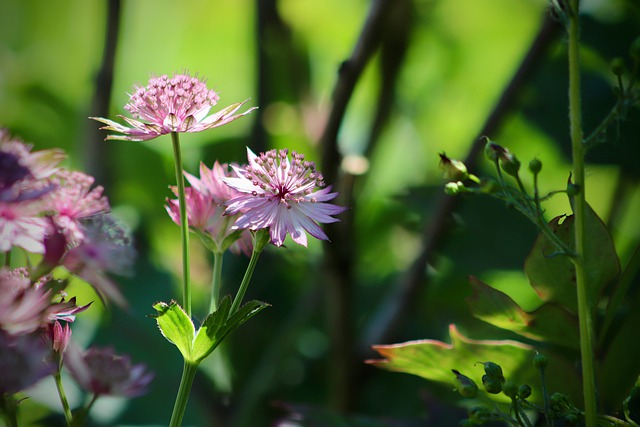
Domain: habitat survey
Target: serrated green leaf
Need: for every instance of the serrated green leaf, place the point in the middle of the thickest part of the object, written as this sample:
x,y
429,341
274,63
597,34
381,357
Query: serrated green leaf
x,y
433,360
243,314
548,323
553,277
176,326
208,337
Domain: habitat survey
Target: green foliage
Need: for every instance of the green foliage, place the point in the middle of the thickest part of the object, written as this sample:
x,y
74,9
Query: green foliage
x,y
178,328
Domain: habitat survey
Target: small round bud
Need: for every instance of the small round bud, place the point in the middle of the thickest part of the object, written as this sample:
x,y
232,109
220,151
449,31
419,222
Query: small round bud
x,y
493,370
451,188
492,385
510,164
493,151
535,166
465,385
524,391
540,361
510,389
573,190
453,169
617,66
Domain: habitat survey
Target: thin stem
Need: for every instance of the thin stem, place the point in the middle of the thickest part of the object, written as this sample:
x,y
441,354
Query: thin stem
x,y
63,398
216,280
188,374
579,208
545,396
245,280
184,224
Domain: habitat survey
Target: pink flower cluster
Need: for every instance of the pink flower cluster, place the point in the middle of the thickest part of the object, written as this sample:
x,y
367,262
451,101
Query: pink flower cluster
x,y
62,218
286,196
177,104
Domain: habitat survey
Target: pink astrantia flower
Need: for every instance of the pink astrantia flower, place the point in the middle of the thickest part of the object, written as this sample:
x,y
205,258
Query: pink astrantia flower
x,y
204,202
165,105
106,248
74,200
23,306
24,360
21,226
101,372
286,196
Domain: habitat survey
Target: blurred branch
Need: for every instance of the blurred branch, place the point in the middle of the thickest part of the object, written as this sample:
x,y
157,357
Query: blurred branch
x,y
96,153
339,254
395,306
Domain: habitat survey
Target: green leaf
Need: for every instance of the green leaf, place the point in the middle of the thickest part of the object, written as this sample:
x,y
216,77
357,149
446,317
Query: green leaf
x,y
219,324
243,314
553,277
548,323
208,337
176,326
434,360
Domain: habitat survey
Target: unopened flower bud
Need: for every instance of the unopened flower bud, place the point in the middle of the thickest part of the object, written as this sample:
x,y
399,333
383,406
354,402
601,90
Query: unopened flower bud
x,y
493,370
465,385
510,389
453,169
524,391
535,166
491,384
451,188
617,66
510,164
493,151
540,361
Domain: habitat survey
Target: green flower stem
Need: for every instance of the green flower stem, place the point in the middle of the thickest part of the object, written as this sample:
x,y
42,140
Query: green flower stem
x,y
245,280
216,280
184,225
188,374
63,398
584,309
260,239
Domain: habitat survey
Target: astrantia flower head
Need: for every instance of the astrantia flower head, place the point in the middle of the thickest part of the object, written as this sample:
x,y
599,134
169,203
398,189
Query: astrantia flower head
x,y
205,207
177,104
286,196
75,199
102,372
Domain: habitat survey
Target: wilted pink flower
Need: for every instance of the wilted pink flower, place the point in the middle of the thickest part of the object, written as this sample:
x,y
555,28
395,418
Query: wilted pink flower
x,y
165,105
106,248
74,200
23,306
204,202
102,372
23,360
282,195
21,226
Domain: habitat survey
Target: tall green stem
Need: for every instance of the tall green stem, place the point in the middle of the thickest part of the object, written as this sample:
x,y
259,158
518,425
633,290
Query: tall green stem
x,y
184,225
188,374
63,398
584,306
216,280
245,281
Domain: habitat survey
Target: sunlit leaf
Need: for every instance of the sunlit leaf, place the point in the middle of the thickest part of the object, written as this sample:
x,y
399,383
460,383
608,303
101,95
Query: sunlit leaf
x,y
553,276
549,323
176,326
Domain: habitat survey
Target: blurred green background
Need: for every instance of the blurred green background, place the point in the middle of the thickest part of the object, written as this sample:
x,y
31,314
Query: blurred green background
x,y
441,70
